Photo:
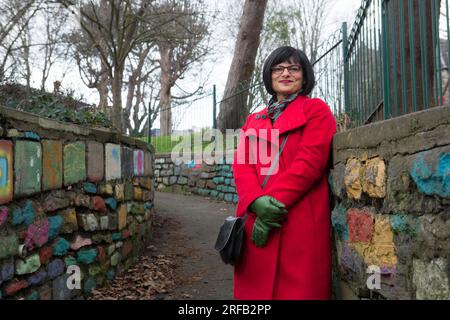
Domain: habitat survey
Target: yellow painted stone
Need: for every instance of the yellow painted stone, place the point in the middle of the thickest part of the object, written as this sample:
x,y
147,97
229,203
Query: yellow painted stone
x,y
119,192
122,216
374,176
137,193
352,179
381,251
360,248
106,189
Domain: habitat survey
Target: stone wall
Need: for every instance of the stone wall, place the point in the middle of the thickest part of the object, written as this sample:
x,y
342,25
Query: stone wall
x,y
212,178
69,196
391,182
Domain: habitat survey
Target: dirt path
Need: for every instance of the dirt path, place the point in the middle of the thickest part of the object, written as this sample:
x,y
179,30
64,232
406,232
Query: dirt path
x,y
180,262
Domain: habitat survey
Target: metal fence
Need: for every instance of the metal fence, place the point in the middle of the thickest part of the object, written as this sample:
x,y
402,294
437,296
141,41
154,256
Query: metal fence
x,y
394,61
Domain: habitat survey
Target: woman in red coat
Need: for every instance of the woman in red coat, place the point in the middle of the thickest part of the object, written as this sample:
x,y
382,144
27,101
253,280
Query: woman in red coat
x,y
287,251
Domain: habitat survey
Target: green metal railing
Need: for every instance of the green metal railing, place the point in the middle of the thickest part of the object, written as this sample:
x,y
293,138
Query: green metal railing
x,y
394,61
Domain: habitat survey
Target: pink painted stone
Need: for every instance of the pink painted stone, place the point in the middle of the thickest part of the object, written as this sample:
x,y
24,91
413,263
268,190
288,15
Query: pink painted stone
x,y
80,242
3,215
37,234
360,223
98,204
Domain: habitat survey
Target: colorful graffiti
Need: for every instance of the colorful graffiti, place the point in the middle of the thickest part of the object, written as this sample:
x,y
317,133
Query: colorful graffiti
x,y
52,164
6,173
138,162
112,162
74,163
27,167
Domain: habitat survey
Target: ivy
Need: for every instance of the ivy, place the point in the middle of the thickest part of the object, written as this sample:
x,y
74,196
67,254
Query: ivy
x,y
62,107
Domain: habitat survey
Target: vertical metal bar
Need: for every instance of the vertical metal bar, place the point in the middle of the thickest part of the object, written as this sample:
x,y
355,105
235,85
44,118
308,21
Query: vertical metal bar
x,y
346,67
214,107
434,51
447,16
358,72
393,27
439,62
423,52
412,57
386,73
401,13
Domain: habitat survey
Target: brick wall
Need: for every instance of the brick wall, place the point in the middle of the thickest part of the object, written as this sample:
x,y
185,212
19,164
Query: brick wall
x,y
212,177
391,182
69,196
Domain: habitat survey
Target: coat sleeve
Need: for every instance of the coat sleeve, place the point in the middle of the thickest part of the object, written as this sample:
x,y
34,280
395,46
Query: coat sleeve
x,y
244,171
311,159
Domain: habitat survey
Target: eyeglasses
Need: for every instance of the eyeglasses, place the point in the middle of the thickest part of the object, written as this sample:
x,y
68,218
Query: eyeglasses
x,y
291,69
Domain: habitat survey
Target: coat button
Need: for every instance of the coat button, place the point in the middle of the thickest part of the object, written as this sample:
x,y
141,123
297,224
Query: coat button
x,y
263,116
257,117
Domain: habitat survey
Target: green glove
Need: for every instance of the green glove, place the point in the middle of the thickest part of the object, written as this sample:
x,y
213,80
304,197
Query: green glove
x,y
261,231
269,209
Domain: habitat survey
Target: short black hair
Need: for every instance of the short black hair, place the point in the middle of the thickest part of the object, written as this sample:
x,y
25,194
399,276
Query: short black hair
x,y
284,54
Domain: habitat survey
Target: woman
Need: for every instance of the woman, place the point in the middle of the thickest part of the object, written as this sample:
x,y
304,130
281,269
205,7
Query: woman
x,y
287,252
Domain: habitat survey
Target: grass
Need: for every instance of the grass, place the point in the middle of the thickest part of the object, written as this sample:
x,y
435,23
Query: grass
x,y
165,144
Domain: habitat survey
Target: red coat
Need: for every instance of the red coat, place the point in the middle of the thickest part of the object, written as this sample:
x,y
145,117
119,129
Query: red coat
x,y
296,261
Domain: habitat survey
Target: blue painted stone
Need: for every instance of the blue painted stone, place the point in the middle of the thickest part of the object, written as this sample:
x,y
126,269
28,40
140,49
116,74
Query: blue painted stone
x,y
229,197
227,181
116,236
7,271
28,213
89,187
17,216
339,222
87,256
61,247
89,285
235,198
226,168
398,223
32,135
214,194
110,274
37,278
33,296
431,182
54,226
55,268
70,261
112,203
148,205
60,289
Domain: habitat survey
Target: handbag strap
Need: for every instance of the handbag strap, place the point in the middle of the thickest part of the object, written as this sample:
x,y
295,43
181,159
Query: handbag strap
x,y
272,167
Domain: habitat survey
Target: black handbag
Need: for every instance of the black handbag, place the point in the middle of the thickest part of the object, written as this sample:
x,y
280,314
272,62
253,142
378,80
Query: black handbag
x,y
232,233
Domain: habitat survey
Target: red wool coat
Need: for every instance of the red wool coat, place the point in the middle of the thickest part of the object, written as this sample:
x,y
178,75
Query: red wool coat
x,y
296,261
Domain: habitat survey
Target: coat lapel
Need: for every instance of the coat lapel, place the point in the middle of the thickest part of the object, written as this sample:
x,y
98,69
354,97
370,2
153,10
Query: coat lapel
x,y
291,118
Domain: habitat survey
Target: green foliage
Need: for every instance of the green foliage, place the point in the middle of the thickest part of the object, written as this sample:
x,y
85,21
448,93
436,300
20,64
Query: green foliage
x,y
62,107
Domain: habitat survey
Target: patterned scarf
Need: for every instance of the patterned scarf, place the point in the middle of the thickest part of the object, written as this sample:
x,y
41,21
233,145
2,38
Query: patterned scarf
x,y
276,107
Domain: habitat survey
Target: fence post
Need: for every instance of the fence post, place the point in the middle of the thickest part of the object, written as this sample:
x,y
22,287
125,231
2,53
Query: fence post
x,y
214,107
386,61
346,68
149,131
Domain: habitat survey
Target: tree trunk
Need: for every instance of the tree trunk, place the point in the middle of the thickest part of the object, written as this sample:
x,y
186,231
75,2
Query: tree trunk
x,y
165,101
233,108
117,98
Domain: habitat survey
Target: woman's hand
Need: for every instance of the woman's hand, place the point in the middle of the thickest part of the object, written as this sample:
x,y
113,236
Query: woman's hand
x,y
261,231
269,209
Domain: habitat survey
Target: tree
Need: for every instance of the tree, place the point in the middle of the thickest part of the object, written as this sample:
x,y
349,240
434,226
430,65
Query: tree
x,y
14,19
232,111
179,47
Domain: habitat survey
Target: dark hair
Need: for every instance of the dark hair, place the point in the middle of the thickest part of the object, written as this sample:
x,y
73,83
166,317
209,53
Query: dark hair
x,y
283,54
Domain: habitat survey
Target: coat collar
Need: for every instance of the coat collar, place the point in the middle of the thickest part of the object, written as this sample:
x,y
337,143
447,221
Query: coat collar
x,y
292,118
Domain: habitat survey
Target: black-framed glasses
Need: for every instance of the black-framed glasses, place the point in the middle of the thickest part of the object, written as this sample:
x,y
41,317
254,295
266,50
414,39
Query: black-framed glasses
x,y
294,69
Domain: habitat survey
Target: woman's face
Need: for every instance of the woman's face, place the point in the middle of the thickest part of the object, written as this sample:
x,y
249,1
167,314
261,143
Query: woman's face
x,y
287,78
